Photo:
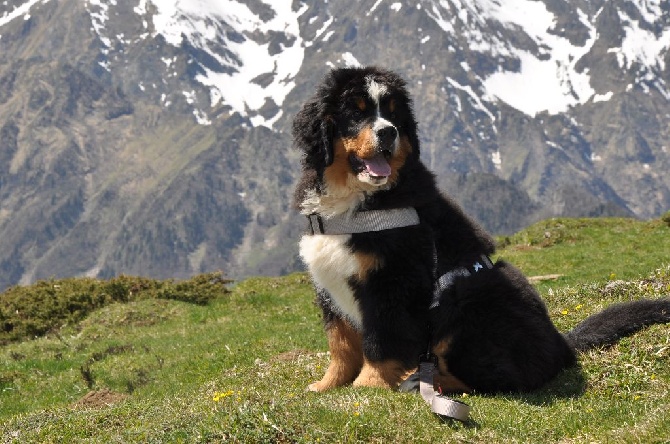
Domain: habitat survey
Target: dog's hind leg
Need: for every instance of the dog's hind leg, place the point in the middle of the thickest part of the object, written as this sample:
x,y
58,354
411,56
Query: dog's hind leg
x,y
444,380
346,356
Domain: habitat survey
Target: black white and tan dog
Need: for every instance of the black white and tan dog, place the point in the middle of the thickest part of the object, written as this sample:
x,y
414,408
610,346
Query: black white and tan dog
x,y
400,269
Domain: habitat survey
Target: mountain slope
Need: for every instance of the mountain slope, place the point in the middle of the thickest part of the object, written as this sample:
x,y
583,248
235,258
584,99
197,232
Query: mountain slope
x,y
152,136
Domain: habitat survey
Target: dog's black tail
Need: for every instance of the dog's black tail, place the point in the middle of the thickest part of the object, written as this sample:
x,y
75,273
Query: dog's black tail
x,y
618,321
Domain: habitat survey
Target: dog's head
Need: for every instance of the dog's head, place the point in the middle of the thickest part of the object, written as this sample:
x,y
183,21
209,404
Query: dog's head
x,y
358,130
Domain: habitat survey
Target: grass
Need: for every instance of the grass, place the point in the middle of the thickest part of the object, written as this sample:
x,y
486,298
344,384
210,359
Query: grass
x,y
235,369
586,250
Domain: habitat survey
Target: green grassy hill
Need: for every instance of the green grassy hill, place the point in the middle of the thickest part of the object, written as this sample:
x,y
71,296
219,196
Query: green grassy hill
x,y
204,360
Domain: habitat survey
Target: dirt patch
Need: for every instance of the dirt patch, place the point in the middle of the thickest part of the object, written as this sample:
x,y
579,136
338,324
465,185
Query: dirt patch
x,y
546,277
290,356
99,399
525,247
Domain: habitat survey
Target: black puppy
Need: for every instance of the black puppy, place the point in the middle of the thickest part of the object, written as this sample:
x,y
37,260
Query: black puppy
x,y
400,269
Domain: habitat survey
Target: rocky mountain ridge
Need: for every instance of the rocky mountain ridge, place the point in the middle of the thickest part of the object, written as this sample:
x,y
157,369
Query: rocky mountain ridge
x,y
152,136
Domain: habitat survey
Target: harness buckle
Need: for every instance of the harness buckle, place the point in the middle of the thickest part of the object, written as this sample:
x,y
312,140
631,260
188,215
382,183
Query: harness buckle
x,y
315,220
428,357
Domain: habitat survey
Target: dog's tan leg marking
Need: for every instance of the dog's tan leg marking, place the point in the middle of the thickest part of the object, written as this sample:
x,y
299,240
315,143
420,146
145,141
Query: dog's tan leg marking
x,y
387,374
444,381
346,356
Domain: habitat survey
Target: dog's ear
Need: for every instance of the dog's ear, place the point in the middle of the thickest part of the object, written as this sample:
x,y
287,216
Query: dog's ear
x,y
413,136
327,134
313,132
410,126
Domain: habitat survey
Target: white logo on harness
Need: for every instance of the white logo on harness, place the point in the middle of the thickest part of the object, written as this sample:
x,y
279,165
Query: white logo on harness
x,y
477,266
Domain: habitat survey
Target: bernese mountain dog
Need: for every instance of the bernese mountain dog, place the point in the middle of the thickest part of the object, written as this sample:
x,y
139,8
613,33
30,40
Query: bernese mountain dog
x,y
401,271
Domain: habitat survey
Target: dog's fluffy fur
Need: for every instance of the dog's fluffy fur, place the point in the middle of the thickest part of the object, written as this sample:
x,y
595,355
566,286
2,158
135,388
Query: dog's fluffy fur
x,y
491,331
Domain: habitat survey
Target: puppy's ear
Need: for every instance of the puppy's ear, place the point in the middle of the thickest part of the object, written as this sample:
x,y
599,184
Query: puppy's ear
x,y
313,132
327,134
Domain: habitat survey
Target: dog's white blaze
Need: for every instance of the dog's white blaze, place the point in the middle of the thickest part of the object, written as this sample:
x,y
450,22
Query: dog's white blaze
x,y
376,90
380,123
331,264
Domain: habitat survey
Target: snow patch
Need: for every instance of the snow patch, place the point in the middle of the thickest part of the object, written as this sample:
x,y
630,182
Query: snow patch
x,y
203,23
474,99
22,10
323,28
603,97
640,45
367,14
99,12
547,80
349,60
554,77
496,159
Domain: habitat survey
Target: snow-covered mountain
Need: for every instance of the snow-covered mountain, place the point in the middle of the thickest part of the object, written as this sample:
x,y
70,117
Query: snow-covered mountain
x,y
152,136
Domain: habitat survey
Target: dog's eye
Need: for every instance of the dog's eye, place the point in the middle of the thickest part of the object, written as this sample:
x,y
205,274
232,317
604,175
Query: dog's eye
x,y
359,106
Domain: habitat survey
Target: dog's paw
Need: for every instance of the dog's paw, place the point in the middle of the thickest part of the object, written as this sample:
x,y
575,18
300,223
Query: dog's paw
x,y
411,384
371,381
318,386
385,374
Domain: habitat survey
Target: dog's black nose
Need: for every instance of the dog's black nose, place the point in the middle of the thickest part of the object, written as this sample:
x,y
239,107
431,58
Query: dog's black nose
x,y
386,136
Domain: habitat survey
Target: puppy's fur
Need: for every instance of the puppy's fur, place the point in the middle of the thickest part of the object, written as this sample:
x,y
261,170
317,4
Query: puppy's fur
x,y
491,331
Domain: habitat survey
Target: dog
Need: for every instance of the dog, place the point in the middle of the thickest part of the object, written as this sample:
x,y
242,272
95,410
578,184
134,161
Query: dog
x,y
400,270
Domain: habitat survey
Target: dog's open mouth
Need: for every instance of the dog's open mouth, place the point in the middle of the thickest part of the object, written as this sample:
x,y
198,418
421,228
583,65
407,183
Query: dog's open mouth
x,y
374,170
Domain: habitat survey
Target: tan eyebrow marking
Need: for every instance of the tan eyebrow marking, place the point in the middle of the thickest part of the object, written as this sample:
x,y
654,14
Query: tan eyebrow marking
x,y
361,103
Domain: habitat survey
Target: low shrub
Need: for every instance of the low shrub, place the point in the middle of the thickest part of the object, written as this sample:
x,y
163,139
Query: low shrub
x,y
34,310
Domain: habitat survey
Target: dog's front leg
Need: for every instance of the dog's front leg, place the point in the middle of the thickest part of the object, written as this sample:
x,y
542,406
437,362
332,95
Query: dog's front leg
x,y
388,374
391,347
346,356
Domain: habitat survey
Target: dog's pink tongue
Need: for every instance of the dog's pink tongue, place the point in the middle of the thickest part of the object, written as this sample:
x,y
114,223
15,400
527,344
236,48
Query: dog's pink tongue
x,y
377,166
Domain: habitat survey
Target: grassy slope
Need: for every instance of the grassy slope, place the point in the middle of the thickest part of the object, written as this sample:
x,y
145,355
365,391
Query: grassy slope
x,y
236,369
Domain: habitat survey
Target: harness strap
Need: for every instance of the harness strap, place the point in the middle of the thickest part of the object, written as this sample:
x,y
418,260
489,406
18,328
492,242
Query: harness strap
x,y
482,262
363,221
439,403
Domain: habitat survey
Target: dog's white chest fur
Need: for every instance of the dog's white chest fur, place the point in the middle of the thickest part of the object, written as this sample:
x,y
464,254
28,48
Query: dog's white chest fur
x,y
331,264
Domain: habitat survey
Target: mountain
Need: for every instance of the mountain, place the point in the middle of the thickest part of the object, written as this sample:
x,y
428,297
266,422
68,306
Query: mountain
x,y
152,137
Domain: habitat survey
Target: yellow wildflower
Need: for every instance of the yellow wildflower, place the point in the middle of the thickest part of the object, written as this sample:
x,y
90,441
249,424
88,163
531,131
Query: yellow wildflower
x,y
218,396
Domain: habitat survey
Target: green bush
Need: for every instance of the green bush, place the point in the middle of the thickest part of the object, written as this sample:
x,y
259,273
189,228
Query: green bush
x,y
30,311
666,218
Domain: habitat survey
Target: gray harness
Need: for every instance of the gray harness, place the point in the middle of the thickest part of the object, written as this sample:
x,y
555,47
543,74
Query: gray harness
x,y
363,221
